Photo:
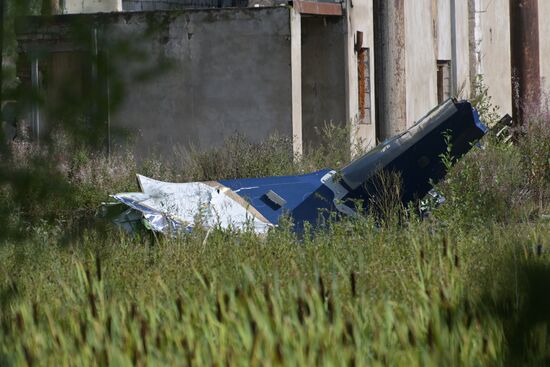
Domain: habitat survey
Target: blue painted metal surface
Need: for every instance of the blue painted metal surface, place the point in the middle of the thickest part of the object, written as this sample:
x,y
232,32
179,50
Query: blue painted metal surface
x,y
294,189
414,154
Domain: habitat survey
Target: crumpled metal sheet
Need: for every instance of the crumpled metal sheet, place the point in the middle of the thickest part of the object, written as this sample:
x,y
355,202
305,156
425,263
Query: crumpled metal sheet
x,y
259,203
172,207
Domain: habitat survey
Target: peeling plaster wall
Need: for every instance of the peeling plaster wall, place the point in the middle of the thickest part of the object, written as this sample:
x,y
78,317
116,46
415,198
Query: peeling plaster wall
x,y
230,72
493,18
187,78
420,50
544,40
91,6
462,62
442,15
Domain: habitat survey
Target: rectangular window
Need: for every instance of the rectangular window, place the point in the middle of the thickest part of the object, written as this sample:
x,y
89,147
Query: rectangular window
x,y
444,83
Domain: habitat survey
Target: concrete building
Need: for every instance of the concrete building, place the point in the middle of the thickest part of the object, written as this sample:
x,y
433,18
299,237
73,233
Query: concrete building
x,y
263,66
432,49
253,70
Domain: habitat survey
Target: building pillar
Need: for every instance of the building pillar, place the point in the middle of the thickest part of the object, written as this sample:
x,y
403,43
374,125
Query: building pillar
x,y
390,81
524,32
296,80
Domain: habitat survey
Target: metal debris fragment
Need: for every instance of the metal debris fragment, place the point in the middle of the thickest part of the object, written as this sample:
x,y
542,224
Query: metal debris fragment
x,y
259,203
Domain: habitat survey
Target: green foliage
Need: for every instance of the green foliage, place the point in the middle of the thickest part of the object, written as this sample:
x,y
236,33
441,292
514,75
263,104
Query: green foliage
x,y
500,182
467,287
482,101
83,177
351,294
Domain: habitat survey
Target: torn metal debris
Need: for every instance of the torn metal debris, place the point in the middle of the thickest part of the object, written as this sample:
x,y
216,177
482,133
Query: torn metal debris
x,y
259,203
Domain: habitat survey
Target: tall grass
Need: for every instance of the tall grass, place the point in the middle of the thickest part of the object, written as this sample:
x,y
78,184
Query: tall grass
x,y
353,294
467,287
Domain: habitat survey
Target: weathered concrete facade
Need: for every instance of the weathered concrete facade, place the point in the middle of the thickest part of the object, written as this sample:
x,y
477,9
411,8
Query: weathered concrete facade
x,y
420,55
253,71
149,5
374,64
433,49
390,86
360,109
243,82
493,57
423,47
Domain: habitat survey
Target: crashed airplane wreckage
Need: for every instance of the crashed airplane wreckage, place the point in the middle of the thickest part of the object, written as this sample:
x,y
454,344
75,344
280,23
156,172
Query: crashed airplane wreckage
x,y
259,203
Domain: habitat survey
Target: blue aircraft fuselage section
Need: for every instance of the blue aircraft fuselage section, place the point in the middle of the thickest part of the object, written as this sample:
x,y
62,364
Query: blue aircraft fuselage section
x,y
295,190
417,156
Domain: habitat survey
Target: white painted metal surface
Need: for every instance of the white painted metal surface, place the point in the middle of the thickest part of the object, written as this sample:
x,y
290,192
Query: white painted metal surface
x,y
169,207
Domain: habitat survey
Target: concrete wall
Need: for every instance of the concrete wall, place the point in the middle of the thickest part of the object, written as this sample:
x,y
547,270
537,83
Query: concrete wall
x,y
323,74
462,62
452,32
441,12
544,35
230,71
493,24
360,18
91,6
420,44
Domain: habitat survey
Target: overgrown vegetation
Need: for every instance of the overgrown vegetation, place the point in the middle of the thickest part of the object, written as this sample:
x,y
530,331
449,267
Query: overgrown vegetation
x,y
355,294
466,287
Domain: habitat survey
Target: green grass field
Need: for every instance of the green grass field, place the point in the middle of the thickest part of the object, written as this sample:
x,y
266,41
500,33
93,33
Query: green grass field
x,y
468,286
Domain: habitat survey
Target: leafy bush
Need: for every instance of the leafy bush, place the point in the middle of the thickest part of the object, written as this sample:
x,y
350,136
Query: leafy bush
x,y
500,181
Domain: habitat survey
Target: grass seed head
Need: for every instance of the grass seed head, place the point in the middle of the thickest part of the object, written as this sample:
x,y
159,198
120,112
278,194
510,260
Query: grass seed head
x,y
322,290
20,321
108,326
35,313
143,332
92,302
353,284
412,337
29,356
98,267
